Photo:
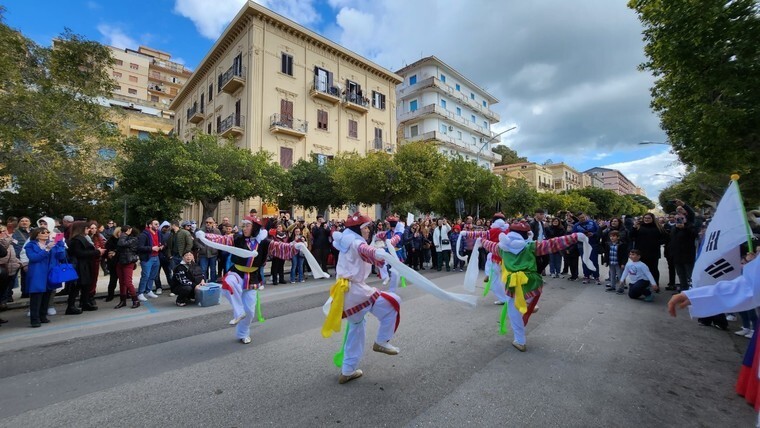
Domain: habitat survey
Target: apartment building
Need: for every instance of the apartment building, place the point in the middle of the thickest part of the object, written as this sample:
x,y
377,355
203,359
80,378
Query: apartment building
x,y
538,176
614,180
147,76
565,177
588,180
271,84
438,104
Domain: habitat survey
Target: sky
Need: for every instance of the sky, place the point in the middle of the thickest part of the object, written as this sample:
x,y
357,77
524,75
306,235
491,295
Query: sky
x,y
565,72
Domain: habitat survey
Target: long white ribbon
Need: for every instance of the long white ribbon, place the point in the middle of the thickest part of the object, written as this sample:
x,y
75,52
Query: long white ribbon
x,y
240,252
316,270
471,275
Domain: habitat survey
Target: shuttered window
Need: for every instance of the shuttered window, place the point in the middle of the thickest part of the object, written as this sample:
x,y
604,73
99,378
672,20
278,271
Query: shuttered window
x,y
286,157
286,65
322,120
353,128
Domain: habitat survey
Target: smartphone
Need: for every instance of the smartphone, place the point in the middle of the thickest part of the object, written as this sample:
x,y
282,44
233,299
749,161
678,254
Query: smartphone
x,y
58,237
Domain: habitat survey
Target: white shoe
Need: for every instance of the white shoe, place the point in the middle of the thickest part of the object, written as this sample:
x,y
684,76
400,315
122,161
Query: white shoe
x,y
28,313
236,320
498,303
152,295
172,295
535,309
749,334
245,340
519,347
742,332
730,317
159,291
261,287
385,348
349,377
51,311
142,298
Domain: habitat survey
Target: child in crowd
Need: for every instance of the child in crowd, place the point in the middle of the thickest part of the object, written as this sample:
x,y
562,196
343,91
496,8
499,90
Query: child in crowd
x,y
641,279
615,258
455,231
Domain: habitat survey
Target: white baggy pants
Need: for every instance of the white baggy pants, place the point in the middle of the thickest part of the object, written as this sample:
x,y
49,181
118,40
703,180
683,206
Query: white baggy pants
x,y
516,319
354,349
241,301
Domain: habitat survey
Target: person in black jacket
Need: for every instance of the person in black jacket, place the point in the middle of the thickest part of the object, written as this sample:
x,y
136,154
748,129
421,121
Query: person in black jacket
x,y
555,230
683,250
648,238
537,226
125,265
320,246
83,254
186,277
112,258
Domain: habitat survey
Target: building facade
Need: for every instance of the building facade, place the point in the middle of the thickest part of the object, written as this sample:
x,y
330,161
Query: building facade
x,y
588,180
564,176
614,180
438,104
270,84
538,176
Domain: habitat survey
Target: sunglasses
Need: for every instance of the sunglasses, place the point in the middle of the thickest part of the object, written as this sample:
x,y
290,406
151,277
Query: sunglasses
x,y
45,233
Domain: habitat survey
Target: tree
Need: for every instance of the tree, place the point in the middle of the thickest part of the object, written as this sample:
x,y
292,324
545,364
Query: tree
x,y
705,56
553,203
517,196
642,200
508,156
695,188
466,180
52,130
311,186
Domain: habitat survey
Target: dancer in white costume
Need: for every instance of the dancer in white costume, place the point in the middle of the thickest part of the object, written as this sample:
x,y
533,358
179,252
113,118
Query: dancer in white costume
x,y
352,298
248,252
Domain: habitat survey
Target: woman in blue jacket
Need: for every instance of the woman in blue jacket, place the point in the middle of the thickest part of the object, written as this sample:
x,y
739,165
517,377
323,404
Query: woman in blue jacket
x,y
43,254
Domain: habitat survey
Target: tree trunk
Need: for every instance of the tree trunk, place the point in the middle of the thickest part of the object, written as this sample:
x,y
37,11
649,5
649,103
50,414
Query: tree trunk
x,y
208,210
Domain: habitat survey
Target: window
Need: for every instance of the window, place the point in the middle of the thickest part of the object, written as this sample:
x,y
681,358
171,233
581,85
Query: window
x,y
485,104
353,128
173,91
322,120
286,64
472,96
142,135
132,78
472,118
134,66
119,62
286,113
459,88
202,103
412,80
286,157
485,124
414,131
117,88
179,122
208,128
155,74
218,123
459,135
116,74
443,103
459,111
413,105
378,100
444,128
210,92
154,98
474,140
443,78
132,91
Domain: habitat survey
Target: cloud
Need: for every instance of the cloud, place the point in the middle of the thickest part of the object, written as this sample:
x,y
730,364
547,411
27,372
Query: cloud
x,y
652,173
115,36
211,17
93,5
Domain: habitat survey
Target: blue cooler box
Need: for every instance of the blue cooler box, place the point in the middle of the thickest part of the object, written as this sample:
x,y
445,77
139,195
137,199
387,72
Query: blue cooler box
x,y
208,295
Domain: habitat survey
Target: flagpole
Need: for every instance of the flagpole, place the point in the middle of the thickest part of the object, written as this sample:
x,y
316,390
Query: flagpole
x,y
735,177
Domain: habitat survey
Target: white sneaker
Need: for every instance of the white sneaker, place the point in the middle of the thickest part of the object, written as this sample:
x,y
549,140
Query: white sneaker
x,y
236,320
28,313
142,298
172,295
51,311
245,340
261,287
499,303
742,332
159,291
730,317
749,334
152,295
385,348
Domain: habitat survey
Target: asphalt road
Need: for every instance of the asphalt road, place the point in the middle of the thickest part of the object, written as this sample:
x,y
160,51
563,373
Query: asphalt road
x,y
594,359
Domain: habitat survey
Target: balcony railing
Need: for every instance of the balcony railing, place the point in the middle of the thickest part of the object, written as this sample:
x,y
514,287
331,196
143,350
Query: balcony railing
x,y
232,79
378,145
356,102
157,88
232,126
170,66
286,124
195,114
324,92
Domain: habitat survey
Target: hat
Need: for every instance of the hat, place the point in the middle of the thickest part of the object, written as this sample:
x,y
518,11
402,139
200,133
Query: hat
x,y
391,218
185,223
457,228
68,218
253,210
519,227
498,215
357,219
254,219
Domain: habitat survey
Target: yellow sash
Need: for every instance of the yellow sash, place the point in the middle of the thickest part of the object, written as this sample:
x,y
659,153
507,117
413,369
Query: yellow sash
x,y
246,269
516,280
332,321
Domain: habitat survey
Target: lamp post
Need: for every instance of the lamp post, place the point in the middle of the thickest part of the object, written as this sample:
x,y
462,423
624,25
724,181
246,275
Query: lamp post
x,y
477,161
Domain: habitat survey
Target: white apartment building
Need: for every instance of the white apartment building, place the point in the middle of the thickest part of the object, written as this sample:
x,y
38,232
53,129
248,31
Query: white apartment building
x,y
436,103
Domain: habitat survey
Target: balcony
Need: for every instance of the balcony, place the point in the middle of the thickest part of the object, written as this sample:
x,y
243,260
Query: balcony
x,y
157,88
171,66
194,115
232,80
232,126
442,112
356,102
443,88
322,92
378,145
287,125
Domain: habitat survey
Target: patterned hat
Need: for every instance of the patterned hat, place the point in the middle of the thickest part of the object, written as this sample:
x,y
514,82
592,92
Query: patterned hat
x,y
519,227
357,219
391,218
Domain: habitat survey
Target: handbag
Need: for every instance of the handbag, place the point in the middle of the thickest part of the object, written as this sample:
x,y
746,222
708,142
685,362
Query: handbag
x,y
445,242
62,272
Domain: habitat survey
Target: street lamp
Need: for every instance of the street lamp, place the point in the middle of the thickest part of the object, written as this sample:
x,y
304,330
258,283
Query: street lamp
x,y
654,142
477,157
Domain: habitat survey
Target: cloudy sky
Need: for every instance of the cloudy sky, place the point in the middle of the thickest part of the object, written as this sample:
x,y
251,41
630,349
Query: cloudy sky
x,y
564,71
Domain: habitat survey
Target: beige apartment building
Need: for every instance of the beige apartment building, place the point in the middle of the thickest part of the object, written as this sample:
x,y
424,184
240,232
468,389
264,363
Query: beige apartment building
x,y
565,177
614,180
270,84
147,75
538,176
588,180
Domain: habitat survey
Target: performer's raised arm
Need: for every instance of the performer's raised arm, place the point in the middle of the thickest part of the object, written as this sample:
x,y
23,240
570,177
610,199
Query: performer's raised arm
x,y
369,254
282,250
554,245
220,239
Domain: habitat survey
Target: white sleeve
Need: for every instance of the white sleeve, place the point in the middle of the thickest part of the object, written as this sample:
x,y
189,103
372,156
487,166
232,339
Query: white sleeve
x,y
737,295
625,273
649,274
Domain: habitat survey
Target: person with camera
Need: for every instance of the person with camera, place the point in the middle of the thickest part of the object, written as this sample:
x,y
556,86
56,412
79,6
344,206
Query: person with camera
x,y
442,243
